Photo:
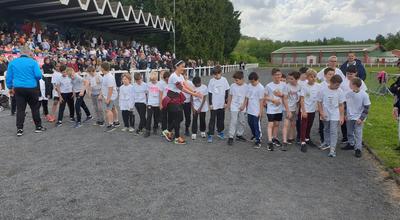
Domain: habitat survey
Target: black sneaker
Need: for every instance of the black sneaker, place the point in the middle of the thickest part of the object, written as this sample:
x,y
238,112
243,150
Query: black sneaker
x,y
147,134
257,145
358,153
348,147
88,118
253,139
40,129
59,124
116,124
72,119
291,141
310,143
187,132
344,141
270,146
276,142
240,138
284,147
139,132
20,132
303,147
110,128
230,141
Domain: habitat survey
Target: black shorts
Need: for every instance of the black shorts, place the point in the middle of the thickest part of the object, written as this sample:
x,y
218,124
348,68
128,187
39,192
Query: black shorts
x,y
274,117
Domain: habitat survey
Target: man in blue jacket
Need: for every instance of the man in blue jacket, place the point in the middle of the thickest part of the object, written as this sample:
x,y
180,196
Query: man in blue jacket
x,y
23,75
352,60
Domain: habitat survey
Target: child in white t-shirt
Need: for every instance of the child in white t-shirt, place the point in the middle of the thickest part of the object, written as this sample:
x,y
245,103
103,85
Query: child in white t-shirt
x,y
164,90
154,98
331,110
43,99
358,104
54,80
109,95
187,106
218,91
328,73
292,92
308,106
79,86
95,80
255,103
199,108
64,90
127,102
275,104
140,89
237,107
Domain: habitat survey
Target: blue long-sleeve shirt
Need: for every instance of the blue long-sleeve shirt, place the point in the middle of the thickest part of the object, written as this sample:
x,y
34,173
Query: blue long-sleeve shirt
x,y
23,72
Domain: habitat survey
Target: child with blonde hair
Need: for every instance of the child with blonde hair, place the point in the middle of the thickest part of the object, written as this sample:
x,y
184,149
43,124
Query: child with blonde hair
x,y
127,102
154,98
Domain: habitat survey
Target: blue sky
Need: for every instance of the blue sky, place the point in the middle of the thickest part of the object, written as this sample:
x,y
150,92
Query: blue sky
x,y
313,19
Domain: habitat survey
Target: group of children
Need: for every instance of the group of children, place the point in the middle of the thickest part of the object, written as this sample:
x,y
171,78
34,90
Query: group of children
x,y
290,102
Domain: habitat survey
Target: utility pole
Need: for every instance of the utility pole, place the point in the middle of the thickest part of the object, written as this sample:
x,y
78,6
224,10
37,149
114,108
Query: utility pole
x,y
174,23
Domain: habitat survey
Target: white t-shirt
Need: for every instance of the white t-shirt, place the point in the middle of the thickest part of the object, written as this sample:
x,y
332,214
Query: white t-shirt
x,y
238,94
173,79
140,92
126,97
355,104
321,75
153,94
330,100
293,94
109,81
95,83
345,86
163,87
54,80
187,96
65,84
270,89
217,88
254,94
197,101
77,83
310,94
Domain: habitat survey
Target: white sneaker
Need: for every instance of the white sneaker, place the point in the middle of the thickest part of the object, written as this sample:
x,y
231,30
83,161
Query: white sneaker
x,y
203,134
194,136
124,129
131,130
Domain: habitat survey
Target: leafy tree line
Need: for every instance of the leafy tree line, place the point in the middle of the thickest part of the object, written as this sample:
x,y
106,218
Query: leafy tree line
x,y
206,29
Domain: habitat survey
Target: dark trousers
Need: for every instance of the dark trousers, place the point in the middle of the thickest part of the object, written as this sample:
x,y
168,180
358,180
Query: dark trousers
x,y
187,110
45,106
67,99
129,118
13,104
321,130
202,118
219,115
152,112
254,124
343,127
80,103
175,117
24,96
306,124
141,109
164,119
298,125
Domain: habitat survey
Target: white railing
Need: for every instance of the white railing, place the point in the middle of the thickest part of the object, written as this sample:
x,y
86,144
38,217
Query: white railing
x,y
324,65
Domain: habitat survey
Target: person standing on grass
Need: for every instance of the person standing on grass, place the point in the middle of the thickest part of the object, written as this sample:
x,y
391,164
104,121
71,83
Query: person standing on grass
x,y
22,79
353,61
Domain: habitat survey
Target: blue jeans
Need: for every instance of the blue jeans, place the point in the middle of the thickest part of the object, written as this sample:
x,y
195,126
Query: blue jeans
x,y
254,123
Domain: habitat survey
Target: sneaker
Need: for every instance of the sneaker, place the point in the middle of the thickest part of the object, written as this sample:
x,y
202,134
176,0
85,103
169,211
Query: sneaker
x,y
276,142
131,130
1,108
230,141
344,141
147,134
78,125
20,132
310,143
348,147
203,134
284,146
257,145
221,135
324,146
270,146
125,129
110,128
179,141
59,124
72,119
290,141
167,135
303,147
253,139
194,136
240,138
116,124
332,154
52,118
139,132
209,139
357,153
187,132
88,118
99,123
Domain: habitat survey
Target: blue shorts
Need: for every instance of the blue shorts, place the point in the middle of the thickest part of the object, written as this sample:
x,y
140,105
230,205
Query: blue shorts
x,y
109,106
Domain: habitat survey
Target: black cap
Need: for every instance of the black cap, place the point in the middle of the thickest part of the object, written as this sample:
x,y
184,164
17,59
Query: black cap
x,y
351,69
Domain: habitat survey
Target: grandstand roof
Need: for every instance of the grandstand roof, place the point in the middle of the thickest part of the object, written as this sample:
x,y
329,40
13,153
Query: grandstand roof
x,y
98,14
331,48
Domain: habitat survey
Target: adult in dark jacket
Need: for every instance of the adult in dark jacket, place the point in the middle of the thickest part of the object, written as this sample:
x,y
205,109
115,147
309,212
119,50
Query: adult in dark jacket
x,y
352,60
22,78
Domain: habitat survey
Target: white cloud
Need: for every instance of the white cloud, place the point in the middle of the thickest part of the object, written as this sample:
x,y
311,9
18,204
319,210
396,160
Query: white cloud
x,y
313,19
